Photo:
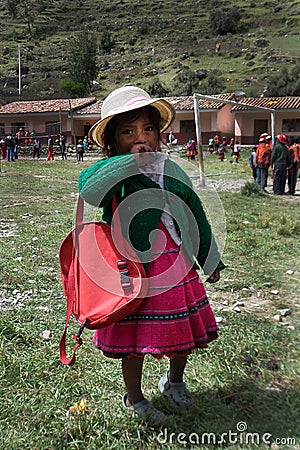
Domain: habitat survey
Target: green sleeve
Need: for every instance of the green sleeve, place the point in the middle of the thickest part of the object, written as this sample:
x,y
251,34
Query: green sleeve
x,y
105,176
207,254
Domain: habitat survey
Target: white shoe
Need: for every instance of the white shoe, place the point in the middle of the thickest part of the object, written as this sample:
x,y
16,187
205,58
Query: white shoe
x,y
177,393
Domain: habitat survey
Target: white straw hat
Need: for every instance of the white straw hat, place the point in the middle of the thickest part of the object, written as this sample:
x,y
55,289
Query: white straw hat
x,y
126,99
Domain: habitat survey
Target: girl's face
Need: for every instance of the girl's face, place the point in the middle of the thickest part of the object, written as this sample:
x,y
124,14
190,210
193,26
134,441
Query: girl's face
x,y
136,134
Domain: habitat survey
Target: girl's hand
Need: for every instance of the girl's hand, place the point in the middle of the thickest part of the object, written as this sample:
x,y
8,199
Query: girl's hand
x,y
143,154
214,277
141,148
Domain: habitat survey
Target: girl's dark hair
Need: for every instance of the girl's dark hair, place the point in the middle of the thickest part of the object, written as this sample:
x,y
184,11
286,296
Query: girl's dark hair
x,y
109,134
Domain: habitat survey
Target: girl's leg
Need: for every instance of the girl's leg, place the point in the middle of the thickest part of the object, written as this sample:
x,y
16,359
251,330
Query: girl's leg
x,y
172,386
132,374
177,366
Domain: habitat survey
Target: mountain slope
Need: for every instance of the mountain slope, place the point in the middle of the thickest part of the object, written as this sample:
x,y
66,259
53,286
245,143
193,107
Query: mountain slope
x,y
153,40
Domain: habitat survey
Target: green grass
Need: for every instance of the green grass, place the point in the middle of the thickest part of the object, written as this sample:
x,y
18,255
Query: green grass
x,y
250,374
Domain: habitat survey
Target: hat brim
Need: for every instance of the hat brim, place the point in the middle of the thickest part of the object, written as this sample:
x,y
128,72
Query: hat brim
x,y
166,110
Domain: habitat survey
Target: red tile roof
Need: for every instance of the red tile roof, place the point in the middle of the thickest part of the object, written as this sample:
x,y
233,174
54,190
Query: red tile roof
x,y
94,109
92,106
270,102
187,103
46,105
183,103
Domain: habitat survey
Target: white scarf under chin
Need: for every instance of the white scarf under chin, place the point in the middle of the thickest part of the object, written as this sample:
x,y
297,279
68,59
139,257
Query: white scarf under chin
x,y
154,170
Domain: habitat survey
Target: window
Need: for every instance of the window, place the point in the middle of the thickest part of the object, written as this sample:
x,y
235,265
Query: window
x,y
187,126
52,128
16,126
2,130
290,125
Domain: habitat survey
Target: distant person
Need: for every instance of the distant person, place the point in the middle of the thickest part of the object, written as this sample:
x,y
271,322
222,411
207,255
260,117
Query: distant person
x,y
3,148
216,143
26,137
36,148
211,145
19,135
224,142
231,144
221,153
280,161
80,150
293,170
191,149
32,135
85,144
269,141
50,148
10,148
172,139
16,147
236,154
263,161
253,164
62,146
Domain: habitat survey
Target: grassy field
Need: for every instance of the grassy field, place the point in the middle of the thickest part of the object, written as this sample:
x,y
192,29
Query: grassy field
x,y
246,384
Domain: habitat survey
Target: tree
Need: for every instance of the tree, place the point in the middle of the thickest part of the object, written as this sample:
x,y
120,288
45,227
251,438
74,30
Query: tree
x,y
72,88
27,9
190,82
81,57
225,20
11,6
212,84
106,42
186,83
157,89
285,83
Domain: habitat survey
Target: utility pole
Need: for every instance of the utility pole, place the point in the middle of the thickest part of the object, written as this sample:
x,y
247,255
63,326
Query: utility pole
x,y
199,140
19,58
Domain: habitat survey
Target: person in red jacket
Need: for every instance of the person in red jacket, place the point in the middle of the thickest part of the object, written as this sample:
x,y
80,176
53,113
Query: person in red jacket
x,y
294,167
263,160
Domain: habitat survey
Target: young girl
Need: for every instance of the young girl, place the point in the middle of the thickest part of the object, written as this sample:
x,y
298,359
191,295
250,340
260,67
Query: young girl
x,y
163,219
50,149
236,152
191,149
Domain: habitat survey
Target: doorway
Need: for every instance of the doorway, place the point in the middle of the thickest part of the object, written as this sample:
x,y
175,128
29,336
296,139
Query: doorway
x,y
260,126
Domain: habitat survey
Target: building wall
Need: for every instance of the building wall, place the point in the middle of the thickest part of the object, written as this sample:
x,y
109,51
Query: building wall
x,y
211,122
223,122
245,124
37,122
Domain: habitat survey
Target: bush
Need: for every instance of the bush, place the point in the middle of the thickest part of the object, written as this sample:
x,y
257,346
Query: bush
x,y
157,89
107,43
225,20
72,88
251,188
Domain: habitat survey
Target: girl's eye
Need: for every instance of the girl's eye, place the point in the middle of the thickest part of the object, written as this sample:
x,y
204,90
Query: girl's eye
x,y
126,131
149,128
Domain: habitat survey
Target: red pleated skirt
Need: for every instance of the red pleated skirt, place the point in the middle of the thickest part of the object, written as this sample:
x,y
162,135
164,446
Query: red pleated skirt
x,y
176,317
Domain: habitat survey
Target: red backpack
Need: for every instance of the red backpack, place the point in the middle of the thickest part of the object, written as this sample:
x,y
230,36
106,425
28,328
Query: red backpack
x,y
101,284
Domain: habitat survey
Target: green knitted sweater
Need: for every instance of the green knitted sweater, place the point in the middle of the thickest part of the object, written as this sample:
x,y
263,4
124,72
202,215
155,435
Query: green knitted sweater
x,y
141,202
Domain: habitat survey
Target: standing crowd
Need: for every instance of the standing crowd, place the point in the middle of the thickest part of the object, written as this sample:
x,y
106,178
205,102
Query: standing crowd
x,y
284,159
10,145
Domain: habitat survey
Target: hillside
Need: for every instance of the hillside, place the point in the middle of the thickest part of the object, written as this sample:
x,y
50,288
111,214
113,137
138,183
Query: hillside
x,y
153,40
